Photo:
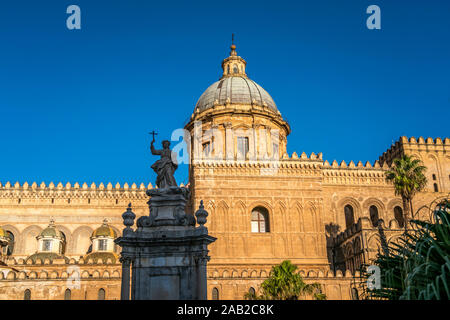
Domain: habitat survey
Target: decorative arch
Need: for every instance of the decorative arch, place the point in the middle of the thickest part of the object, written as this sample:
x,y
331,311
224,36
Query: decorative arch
x,y
222,212
310,214
280,217
267,207
260,220
341,209
298,209
81,240
377,203
28,243
374,245
241,217
393,203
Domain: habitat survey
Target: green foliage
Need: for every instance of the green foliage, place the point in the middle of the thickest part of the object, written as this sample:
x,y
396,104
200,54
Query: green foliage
x,y
407,175
284,283
418,266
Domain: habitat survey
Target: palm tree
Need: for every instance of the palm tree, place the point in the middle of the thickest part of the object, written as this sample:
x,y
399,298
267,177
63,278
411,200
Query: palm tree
x,y
408,176
284,283
418,265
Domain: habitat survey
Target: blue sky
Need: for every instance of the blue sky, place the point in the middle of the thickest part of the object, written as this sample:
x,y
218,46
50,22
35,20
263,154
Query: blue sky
x,y
77,105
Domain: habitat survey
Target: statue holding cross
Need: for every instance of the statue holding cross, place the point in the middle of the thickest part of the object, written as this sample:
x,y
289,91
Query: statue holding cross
x,y
166,166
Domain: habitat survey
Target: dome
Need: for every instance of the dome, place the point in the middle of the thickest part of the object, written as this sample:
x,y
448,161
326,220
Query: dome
x,y
101,255
104,231
235,87
47,255
51,232
3,233
4,237
235,90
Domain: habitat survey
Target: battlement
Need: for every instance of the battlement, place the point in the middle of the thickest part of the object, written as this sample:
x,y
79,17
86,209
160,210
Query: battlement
x,y
405,145
354,174
352,165
364,223
68,193
264,159
76,186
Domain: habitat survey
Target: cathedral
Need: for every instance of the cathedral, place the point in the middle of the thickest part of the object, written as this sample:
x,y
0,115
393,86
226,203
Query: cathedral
x,y
264,205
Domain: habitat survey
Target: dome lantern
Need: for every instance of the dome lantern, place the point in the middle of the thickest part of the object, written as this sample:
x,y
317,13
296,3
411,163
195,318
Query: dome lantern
x,y
234,66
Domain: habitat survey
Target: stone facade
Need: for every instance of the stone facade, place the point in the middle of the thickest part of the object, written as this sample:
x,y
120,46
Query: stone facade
x,y
264,205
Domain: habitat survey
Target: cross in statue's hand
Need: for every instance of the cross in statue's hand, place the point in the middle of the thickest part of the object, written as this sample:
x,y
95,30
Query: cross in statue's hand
x,y
154,134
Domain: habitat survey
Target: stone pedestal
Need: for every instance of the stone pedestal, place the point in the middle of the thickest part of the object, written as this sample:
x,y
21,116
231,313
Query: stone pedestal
x,y
166,254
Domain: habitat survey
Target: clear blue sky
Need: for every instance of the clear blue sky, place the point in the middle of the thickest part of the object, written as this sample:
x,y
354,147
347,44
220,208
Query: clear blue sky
x,y
78,105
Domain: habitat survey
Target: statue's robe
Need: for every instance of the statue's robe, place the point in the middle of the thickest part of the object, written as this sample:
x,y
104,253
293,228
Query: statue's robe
x,y
164,168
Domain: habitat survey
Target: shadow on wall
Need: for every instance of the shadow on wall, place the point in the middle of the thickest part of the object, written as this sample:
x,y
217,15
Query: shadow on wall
x,y
331,231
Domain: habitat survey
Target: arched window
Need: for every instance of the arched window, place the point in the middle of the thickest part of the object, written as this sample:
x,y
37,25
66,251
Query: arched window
x,y
398,215
215,294
27,295
101,294
435,187
434,176
235,69
260,220
67,294
10,246
252,291
349,216
373,211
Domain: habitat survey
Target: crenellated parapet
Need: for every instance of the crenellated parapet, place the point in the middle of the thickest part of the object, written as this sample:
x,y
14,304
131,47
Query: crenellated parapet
x,y
364,224
294,164
413,146
77,194
354,174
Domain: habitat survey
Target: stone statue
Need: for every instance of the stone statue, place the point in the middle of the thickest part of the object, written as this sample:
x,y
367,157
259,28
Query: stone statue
x,y
164,167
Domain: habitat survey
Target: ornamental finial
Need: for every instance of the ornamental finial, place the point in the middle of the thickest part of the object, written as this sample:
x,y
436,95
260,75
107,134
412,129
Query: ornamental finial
x,y
128,217
233,46
201,214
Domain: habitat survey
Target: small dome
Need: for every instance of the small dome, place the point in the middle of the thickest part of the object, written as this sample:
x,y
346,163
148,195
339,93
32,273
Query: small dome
x,y
104,255
3,233
51,232
47,255
104,231
4,238
235,90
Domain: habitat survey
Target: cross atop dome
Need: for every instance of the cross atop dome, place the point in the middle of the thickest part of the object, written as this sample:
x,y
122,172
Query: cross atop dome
x,y
233,66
